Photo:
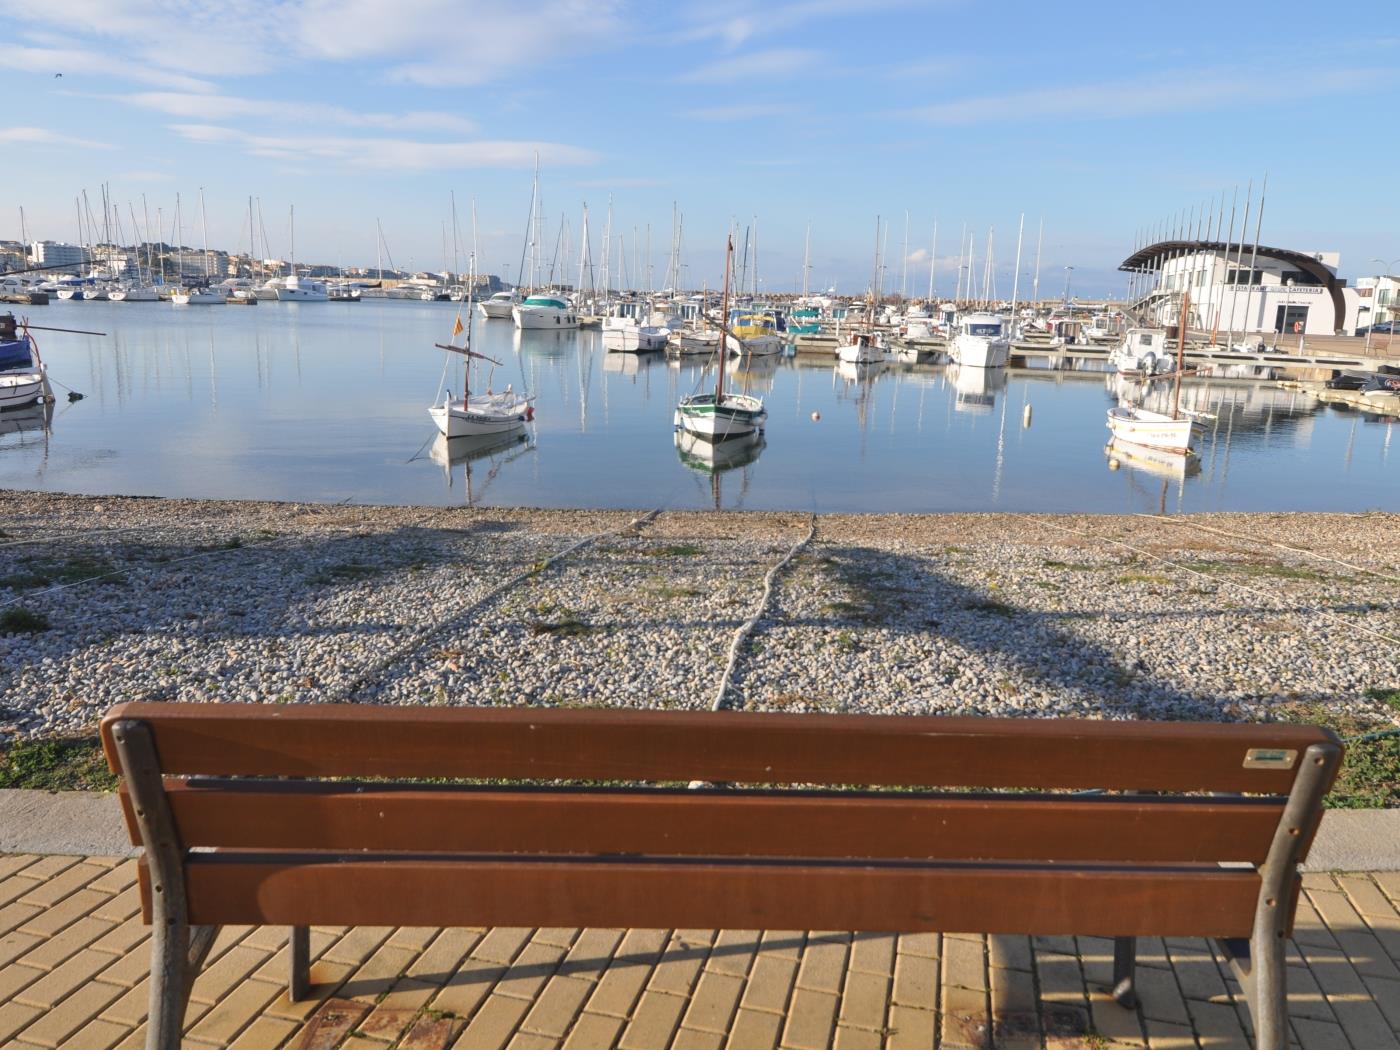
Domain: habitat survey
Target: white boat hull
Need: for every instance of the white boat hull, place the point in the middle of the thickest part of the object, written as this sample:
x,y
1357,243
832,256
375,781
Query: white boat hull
x,y
696,343
301,295
860,353
22,388
486,414
74,294
635,339
1153,429
496,311
133,295
543,317
736,416
755,345
976,351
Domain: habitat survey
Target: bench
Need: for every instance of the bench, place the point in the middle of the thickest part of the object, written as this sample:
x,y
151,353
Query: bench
x,y
349,815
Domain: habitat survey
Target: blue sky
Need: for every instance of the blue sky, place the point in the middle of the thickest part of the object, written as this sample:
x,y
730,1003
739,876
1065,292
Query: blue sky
x,y
1099,118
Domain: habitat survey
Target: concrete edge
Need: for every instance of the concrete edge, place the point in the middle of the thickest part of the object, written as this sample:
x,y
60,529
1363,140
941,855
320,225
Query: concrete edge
x,y
89,823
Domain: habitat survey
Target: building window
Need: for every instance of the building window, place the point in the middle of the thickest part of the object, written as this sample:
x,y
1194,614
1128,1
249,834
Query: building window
x,y
1298,277
1244,277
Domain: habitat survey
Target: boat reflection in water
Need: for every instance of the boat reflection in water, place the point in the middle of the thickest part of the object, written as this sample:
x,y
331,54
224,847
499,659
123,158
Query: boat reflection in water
x,y
975,389
19,425
500,449
717,458
1155,461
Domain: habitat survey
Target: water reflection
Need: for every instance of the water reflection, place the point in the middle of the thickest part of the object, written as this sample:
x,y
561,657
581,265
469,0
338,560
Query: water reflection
x,y
499,449
976,388
717,458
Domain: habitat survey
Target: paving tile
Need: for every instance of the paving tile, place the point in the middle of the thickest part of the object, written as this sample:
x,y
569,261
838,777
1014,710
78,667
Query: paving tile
x,y
325,980
1217,1024
234,1011
964,963
963,1012
16,914
431,1033
1160,996
590,954
733,952
1163,1035
593,1032
99,1035
331,1023
754,1030
126,970
51,889
120,907
124,937
15,945
1364,1024
377,974
1009,952
13,1017
873,953
357,945
915,981
265,1033
713,1002
231,968
386,1023
1197,974
13,863
557,1005
75,906
849,1038
864,1000
527,1041
1061,983
823,965
1320,1035
59,1022
783,942
531,970
59,982
911,1029
468,987
655,1018
501,944
443,954
117,878
678,967
811,1020
770,983
695,1039
415,937
1386,995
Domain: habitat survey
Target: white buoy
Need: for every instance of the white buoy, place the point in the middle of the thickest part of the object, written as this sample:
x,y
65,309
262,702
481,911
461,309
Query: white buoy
x,y
816,417
1026,415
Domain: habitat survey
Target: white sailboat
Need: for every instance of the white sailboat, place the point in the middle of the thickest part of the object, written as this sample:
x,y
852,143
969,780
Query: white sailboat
x,y
477,414
295,289
719,416
1173,433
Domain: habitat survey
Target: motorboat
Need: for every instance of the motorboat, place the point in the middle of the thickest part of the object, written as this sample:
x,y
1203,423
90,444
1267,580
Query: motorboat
x,y
624,335
981,342
548,310
498,307
1143,351
301,290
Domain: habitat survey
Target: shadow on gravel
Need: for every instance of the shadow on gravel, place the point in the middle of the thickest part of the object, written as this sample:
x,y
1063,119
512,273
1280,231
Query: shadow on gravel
x,y
902,594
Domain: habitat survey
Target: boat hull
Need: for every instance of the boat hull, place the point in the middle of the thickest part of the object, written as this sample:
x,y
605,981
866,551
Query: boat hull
x,y
22,388
975,351
484,416
496,311
547,317
756,346
1153,430
735,416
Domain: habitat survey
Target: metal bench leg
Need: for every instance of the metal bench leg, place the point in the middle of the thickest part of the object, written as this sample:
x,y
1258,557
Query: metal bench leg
x,y
1124,962
298,957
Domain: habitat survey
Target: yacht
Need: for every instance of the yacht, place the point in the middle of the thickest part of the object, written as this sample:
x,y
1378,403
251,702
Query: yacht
x,y
625,335
134,293
981,341
301,290
545,310
754,332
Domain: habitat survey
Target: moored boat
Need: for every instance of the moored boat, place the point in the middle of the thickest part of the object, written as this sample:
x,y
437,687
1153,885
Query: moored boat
x,y
981,342
549,310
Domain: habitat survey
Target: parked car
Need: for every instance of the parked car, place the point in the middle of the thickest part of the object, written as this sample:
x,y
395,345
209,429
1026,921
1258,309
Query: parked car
x,y
1384,328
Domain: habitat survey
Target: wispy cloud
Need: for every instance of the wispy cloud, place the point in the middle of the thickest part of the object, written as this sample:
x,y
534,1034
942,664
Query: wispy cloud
x,y
743,111
388,154
735,23
1175,92
624,182
145,175
227,107
45,137
78,62
776,62
928,69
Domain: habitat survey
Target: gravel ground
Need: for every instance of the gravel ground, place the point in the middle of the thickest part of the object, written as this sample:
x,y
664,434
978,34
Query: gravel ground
x,y
1116,617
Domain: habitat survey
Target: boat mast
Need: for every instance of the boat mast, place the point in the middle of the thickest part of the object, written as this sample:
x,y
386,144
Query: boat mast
x,y
807,260
607,258
1035,286
204,222
292,233
456,254
1016,276
904,263
875,277
1254,255
179,245
723,325
1180,353
932,261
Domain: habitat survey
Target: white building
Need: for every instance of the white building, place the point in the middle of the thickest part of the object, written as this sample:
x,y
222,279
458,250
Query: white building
x,y
1380,299
57,253
1283,290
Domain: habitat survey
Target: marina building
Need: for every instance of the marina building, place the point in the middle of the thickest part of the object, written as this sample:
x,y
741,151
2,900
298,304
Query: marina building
x,y
1380,299
1242,290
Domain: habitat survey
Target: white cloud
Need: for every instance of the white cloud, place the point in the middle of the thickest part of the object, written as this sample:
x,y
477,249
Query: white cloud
x,y
388,154
45,137
742,111
776,62
736,23
1175,92
227,107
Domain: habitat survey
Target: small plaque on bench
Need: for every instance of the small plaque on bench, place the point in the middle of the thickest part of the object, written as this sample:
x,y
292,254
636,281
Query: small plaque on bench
x,y
1269,758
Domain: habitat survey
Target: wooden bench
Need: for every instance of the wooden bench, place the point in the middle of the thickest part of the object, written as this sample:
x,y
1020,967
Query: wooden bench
x,y
1116,829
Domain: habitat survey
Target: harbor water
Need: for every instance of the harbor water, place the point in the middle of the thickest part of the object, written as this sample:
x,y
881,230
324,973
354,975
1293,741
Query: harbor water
x,y
327,402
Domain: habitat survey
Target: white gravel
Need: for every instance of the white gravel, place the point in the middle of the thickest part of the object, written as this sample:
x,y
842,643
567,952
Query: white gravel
x,y
991,614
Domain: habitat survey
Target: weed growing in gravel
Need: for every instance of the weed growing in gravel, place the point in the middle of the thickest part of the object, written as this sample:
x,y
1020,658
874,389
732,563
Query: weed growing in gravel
x,y
674,550
569,626
346,572
1370,777
40,572
1273,569
1143,577
17,620
1072,566
1389,697
59,764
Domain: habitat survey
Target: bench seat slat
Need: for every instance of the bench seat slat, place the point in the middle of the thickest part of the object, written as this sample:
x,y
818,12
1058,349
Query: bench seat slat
x,y
287,889
330,816
310,740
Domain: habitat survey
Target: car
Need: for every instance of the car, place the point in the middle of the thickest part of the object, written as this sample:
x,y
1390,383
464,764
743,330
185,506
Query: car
x,y
1384,328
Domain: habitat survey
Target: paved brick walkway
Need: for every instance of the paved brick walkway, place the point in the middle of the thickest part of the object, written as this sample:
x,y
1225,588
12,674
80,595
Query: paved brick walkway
x,y
74,958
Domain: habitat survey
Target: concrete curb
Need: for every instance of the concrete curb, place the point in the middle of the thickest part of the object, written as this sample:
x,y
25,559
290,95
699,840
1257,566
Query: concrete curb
x,y
89,823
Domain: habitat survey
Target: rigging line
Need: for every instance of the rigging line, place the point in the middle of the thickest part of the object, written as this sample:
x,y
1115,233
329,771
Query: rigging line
x,y
1284,546
747,627
414,458
1218,581
377,669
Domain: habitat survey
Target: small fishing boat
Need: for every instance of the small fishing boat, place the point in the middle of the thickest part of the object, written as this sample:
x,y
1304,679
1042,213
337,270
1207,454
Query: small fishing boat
x,y
23,378
754,332
1173,433
720,416
477,414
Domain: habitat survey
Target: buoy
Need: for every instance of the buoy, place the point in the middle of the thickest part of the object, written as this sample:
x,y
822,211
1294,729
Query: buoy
x,y
1113,464
816,417
1026,415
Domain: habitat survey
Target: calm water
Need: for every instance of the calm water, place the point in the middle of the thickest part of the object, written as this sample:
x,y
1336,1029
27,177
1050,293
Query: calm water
x,y
327,402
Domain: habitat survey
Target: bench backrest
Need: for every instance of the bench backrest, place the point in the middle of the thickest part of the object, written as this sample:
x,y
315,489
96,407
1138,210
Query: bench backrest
x,y
828,822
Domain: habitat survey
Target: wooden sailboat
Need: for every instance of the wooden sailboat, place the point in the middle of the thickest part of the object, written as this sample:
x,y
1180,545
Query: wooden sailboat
x,y
476,414
1173,433
718,416
868,346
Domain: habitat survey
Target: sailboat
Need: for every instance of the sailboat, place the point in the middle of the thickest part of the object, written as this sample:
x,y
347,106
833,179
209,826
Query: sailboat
x,y
476,414
868,346
1171,433
719,415
23,377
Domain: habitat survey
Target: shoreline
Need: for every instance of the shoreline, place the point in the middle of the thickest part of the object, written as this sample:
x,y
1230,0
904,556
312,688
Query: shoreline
x,y
1209,616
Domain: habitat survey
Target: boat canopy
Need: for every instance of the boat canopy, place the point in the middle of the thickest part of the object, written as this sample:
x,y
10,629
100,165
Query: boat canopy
x,y
15,354
547,300
984,328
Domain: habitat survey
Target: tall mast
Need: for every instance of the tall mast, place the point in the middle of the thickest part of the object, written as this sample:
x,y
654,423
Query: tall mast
x,y
179,244
607,257
529,227
292,233
204,222
932,261
1239,259
723,325
807,260
1035,286
1254,255
904,262
875,276
1016,276
456,254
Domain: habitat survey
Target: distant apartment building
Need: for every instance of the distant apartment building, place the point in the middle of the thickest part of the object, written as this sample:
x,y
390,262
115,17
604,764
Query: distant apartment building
x,y
13,256
1380,299
57,253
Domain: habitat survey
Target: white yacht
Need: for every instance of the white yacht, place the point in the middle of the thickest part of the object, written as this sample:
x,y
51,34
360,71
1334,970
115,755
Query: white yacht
x,y
301,290
134,293
625,335
550,310
981,342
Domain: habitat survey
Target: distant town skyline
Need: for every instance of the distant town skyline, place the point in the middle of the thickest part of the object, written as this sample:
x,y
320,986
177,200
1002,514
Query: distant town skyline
x,y
774,116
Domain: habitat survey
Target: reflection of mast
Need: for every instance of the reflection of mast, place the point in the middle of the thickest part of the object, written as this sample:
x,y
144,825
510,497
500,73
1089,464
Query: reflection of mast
x,y
1001,453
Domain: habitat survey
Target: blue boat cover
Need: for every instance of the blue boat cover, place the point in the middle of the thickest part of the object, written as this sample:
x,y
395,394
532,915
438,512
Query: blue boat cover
x,y
15,354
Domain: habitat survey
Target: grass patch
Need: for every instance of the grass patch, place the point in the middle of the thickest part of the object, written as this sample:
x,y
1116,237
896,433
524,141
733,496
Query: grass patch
x,y
671,590
1143,577
1389,697
41,572
1370,776
59,764
990,606
672,550
1273,569
1072,566
17,620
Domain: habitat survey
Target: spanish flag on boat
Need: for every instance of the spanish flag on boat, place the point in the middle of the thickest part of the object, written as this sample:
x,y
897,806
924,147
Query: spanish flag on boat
x,y
457,328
